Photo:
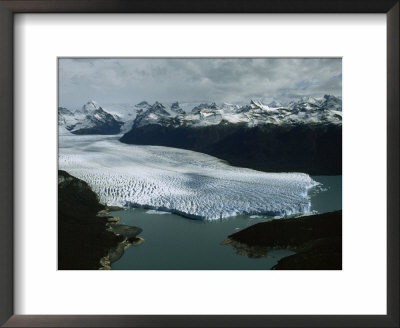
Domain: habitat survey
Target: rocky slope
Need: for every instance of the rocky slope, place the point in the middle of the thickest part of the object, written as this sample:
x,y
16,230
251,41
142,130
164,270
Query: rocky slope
x,y
313,149
85,240
316,239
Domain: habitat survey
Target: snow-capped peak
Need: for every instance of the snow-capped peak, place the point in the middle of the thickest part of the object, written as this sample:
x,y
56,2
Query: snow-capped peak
x,y
332,102
309,99
259,104
198,108
90,106
143,105
157,105
176,108
275,104
91,119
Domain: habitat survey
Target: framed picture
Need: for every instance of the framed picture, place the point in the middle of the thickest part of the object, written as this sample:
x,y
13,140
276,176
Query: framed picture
x,y
191,153
210,170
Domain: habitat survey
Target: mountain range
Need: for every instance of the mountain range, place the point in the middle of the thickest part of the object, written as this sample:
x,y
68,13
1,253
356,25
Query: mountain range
x,y
326,110
302,136
117,118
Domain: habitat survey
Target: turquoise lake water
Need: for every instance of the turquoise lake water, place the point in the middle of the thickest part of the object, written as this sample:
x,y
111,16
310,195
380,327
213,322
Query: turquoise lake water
x,y
173,242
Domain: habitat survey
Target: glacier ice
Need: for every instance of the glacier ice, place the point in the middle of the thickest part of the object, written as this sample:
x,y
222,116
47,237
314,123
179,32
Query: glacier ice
x,y
185,182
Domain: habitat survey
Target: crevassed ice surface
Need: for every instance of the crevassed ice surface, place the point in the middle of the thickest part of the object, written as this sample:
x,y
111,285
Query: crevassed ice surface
x,y
181,181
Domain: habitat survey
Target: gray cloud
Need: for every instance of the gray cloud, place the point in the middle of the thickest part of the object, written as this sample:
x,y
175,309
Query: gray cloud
x,y
131,80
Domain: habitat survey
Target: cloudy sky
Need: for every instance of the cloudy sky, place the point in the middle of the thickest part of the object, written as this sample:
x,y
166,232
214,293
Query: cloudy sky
x,y
132,80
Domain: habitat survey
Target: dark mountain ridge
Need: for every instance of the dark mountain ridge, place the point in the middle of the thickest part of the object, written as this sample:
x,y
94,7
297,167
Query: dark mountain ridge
x,y
311,148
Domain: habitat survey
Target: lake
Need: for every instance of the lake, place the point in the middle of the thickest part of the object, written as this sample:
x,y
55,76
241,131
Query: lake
x,y
173,242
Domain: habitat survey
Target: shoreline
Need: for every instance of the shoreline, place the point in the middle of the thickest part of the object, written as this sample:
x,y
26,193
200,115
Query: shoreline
x,y
316,239
271,214
88,238
129,235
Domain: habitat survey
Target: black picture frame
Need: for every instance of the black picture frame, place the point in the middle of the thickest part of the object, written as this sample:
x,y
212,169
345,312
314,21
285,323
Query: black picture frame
x,y
10,7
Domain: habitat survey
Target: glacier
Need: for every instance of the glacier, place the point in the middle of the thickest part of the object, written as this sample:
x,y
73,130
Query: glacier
x,y
185,182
